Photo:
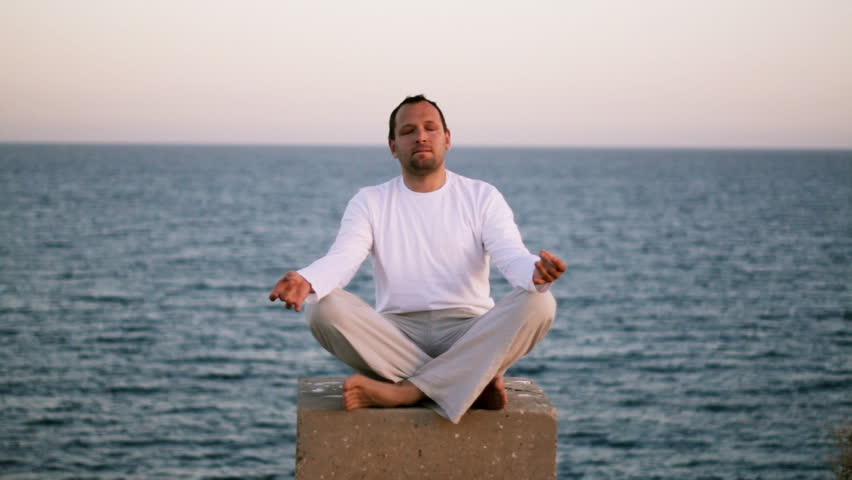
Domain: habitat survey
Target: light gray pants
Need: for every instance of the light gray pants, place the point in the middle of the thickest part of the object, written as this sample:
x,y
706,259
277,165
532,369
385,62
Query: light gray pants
x,y
450,355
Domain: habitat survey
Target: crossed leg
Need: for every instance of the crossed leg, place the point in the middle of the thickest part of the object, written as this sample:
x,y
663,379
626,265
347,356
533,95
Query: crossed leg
x,y
360,391
469,373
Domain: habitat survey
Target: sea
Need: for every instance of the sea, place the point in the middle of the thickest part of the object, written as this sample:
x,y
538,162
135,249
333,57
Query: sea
x,y
704,326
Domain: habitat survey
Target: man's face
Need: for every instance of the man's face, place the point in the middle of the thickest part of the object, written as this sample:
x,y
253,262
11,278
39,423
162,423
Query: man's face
x,y
421,141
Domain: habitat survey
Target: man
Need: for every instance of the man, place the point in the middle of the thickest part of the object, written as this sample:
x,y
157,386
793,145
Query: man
x,y
435,334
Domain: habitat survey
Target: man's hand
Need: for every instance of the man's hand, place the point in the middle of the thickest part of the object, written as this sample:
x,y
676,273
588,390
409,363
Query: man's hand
x,y
548,269
292,289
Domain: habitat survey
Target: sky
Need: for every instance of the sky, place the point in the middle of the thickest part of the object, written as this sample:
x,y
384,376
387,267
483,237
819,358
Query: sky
x,y
655,73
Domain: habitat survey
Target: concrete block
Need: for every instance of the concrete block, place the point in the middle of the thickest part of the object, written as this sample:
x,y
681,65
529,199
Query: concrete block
x,y
412,443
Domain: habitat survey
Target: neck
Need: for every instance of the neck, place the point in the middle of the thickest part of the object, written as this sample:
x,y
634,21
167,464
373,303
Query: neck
x,y
425,183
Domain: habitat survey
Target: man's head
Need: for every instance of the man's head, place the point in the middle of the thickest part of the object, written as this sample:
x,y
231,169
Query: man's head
x,y
418,135
408,101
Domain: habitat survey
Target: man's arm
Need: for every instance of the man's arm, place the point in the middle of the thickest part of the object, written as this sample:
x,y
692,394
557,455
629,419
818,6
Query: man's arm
x,y
502,240
337,267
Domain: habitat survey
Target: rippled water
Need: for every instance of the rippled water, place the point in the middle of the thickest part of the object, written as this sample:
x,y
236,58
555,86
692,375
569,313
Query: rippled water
x,y
704,328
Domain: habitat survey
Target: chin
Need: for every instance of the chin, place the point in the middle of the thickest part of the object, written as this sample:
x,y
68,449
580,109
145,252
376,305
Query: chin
x,y
424,167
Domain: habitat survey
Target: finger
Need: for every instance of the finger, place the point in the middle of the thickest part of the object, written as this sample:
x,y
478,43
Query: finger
x,y
294,305
557,262
555,276
552,273
279,290
276,294
298,299
294,300
551,263
543,272
545,257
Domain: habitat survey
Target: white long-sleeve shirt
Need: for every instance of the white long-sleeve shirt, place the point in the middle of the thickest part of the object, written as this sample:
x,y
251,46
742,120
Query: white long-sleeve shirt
x,y
430,250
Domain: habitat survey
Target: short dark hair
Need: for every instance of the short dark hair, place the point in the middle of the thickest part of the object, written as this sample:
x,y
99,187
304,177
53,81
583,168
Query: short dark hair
x,y
412,99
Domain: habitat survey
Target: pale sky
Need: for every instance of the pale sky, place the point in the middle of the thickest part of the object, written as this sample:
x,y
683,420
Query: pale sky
x,y
715,73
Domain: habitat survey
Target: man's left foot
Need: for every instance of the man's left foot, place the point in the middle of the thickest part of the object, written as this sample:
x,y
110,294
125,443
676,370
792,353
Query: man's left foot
x,y
364,392
494,396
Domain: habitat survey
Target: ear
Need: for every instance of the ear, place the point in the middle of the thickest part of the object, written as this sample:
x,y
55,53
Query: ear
x,y
392,145
447,137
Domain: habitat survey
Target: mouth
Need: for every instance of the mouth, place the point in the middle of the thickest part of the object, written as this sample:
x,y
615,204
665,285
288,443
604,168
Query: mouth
x,y
422,150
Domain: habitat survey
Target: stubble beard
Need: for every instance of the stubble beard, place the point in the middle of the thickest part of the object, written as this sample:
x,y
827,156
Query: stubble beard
x,y
422,167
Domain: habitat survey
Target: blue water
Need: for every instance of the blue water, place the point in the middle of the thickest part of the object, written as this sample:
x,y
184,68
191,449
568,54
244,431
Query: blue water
x,y
704,326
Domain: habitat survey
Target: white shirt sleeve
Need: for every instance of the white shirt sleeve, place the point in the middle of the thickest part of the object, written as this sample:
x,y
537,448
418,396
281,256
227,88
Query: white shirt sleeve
x,y
503,242
352,245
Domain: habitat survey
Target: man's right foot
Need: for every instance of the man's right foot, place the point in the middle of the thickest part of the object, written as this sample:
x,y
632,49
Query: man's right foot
x,y
363,392
494,396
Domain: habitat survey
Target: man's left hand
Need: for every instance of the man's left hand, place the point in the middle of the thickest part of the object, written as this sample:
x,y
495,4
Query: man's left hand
x,y
548,269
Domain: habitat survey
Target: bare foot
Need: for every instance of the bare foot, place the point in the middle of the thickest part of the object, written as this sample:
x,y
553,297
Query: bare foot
x,y
362,392
494,396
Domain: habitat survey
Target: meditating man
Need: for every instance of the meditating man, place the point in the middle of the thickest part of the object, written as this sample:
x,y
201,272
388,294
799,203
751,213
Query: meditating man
x,y
435,336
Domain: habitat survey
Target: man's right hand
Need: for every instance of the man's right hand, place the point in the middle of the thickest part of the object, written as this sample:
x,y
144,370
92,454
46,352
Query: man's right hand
x,y
292,289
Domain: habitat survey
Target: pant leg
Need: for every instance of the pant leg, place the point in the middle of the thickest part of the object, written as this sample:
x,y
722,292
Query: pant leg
x,y
358,335
496,340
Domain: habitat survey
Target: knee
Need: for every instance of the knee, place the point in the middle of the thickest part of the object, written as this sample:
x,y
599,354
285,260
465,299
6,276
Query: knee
x,y
540,308
323,315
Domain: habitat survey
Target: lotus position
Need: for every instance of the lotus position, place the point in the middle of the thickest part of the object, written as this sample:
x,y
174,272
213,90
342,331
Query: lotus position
x,y
435,335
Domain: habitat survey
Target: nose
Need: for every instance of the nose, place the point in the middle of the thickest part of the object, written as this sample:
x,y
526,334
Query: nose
x,y
421,135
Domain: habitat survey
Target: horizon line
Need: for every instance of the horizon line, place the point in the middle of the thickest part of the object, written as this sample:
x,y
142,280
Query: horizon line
x,y
460,146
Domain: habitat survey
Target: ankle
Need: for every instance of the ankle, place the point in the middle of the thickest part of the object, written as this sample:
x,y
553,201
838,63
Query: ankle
x,y
411,393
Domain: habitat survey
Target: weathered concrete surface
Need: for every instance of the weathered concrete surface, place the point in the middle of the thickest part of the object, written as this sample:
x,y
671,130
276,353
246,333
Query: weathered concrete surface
x,y
516,443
